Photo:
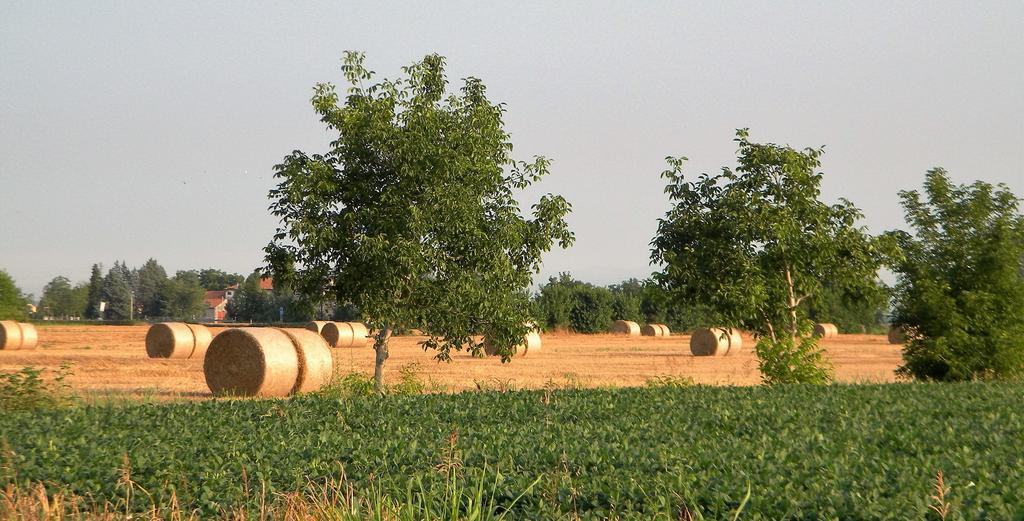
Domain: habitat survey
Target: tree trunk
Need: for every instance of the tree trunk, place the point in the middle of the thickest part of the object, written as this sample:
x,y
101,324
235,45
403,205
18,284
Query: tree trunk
x,y
380,347
792,303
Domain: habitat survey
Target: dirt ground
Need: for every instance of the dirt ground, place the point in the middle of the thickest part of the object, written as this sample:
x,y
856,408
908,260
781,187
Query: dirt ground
x,y
111,361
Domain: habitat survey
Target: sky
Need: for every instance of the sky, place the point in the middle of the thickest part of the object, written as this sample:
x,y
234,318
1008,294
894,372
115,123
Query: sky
x,y
131,130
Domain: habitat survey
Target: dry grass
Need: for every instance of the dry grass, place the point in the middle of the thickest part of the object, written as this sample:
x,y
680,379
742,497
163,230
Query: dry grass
x,y
110,361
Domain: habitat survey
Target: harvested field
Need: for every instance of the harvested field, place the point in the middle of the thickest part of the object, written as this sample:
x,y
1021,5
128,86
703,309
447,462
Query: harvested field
x,y
111,360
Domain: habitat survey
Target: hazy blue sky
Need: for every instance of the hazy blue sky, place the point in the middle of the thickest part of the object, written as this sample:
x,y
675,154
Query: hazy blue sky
x,y
132,130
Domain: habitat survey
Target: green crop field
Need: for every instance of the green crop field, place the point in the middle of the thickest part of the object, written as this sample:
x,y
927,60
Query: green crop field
x,y
844,452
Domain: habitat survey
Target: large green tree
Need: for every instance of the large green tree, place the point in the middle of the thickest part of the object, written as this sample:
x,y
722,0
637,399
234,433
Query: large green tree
x,y
216,280
960,290
150,281
12,302
182,296
754,243
117,292
61,300
411,215
95,292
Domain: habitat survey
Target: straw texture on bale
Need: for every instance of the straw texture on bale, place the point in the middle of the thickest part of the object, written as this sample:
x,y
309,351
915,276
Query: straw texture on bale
x,y
897,335
360,334
626,327
252,362
825,330
531,344
316,363
170,340
656,330
10,335
201,338
338,334
715,341
29,337
317,326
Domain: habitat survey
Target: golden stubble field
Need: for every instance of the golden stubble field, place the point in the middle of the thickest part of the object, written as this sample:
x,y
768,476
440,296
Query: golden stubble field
x,y
111,361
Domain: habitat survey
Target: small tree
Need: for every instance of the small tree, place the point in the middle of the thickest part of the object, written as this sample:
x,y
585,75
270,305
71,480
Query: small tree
x,y
960,290
754,243
12,302
411,215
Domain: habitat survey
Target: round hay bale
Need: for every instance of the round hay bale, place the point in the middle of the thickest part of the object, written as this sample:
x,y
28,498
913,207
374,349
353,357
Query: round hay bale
x,y
170,340
625,327
29,336
650,330
897,335
360,334
338,334
715,341
825,330
531,343
317,326
201,338
10,335
252,361
665,331
316,363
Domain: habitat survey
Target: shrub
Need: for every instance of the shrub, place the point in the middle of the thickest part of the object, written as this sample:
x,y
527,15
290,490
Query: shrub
x,y
789,360
29,389
960,289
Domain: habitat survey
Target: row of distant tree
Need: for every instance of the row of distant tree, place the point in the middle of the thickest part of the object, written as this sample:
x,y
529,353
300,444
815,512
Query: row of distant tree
x,y
148,292
123,293
569,304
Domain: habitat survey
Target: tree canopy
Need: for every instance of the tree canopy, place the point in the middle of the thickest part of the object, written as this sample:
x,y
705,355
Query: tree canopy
x,y
755,242
960,290
12,301
411,215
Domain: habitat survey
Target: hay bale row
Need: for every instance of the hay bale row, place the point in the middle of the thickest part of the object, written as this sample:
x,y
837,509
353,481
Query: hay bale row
x,y
267,361
625,327
715,341
177,340
656,330
826,330
341,334
17,335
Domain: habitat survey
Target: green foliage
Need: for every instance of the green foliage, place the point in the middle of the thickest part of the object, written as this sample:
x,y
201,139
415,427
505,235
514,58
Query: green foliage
x,y
183,297
626,301
552,307
28,389
960,289
12,302
792,360
566,303
863,313
118,292
95,293
215,280
672,381
754,243
151,279
805,452
592,309
411,215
